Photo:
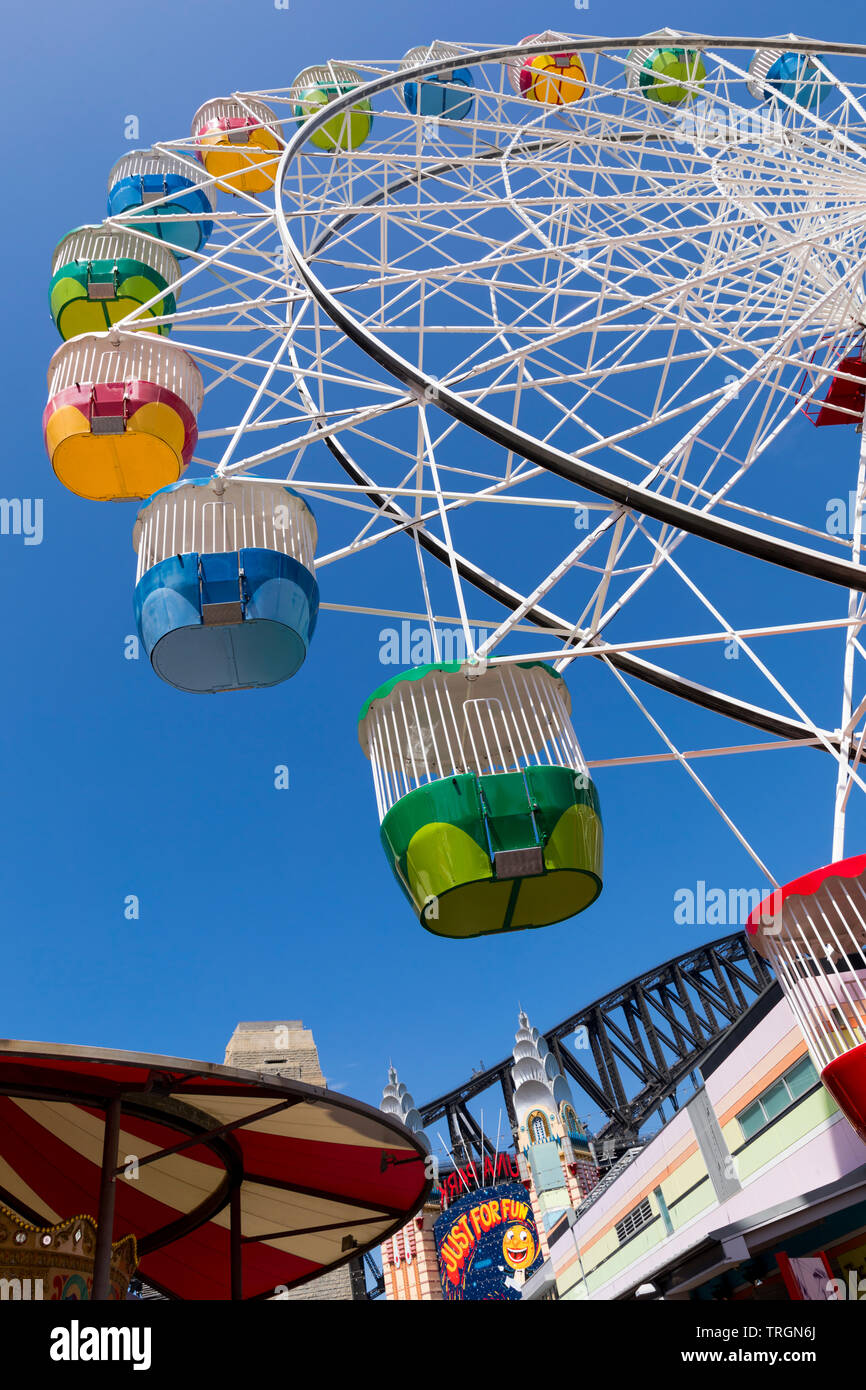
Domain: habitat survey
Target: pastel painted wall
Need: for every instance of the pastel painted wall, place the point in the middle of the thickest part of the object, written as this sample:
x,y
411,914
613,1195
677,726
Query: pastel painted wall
x,y
807,1147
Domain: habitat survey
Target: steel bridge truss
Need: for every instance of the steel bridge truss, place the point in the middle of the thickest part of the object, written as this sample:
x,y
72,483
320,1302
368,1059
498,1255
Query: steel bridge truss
x,y
630,1052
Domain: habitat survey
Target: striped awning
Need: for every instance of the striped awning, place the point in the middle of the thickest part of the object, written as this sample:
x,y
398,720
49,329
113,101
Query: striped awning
x,y
313,1178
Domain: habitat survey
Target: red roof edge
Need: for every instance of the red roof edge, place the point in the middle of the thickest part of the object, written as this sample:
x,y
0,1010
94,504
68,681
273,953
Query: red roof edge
x,y
807,883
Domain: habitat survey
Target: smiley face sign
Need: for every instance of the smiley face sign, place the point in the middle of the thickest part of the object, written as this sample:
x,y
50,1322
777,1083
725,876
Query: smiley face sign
x,y
518,1246
488,1244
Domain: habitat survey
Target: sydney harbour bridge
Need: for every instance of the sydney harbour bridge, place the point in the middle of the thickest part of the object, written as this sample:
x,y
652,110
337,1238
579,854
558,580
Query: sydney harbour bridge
x,y
631,1053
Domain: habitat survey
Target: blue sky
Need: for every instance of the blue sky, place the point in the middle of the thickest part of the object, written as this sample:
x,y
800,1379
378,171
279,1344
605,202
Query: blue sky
x,y
257,903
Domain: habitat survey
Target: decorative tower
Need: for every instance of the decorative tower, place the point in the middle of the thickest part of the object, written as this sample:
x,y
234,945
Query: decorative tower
x,y
550,1138
409,1262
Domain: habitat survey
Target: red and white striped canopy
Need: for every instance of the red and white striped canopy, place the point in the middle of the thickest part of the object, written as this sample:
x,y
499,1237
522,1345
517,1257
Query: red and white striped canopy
x,y
320,1177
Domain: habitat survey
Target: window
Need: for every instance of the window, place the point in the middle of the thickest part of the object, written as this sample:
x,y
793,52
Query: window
x,y
775,1100
637,1218
663,1209
569,1120
770,1103
752,1120
537,1125
801,1077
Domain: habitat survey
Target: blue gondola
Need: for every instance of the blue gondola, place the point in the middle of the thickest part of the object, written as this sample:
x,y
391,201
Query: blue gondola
x,y
167,195
226,597
444,95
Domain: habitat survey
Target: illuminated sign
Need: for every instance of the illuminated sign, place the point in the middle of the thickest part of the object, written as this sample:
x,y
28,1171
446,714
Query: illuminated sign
x,y
487,1242
461,1181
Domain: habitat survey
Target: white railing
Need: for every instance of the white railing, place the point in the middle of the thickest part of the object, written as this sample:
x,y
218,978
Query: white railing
x,y
95,359
507,719
328,75
815,945
228,109
432,52
149,162
192,518
107,244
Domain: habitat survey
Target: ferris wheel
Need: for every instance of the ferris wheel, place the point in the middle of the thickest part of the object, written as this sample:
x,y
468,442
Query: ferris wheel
x,y
504,345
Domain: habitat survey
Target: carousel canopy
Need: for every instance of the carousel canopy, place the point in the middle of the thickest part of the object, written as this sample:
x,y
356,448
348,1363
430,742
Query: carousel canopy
x,y
232,1182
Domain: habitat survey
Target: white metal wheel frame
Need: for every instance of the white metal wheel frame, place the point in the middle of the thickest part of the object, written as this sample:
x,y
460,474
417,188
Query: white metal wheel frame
x,y
296,382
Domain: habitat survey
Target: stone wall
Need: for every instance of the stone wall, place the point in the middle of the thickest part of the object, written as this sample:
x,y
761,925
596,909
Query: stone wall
x,y
284,1047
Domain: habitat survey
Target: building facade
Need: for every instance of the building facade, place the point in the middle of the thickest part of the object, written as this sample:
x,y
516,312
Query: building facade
x,y
410,1266
554,1145
758,1164
550,1169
